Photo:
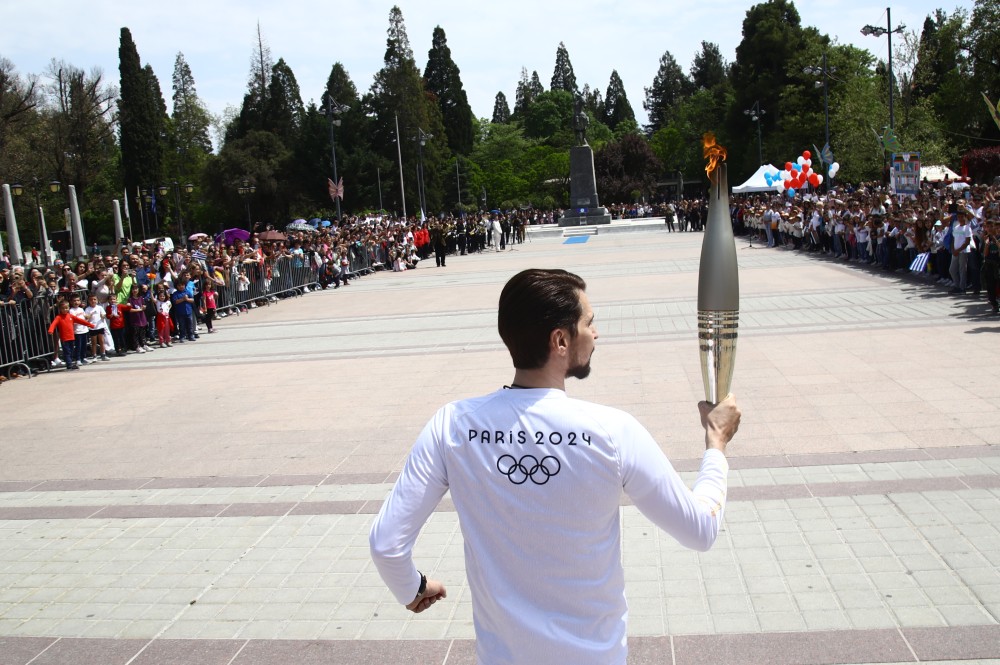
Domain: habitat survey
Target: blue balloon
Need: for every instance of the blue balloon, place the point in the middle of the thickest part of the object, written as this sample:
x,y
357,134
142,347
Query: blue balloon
x,y
791,192
796,167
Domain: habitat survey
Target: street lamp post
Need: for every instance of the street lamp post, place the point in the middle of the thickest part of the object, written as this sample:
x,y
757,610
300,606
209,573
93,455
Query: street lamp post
x,y
246,190
755,112
878,31
188,188
422,138
36,187
332,107
149,196
825,72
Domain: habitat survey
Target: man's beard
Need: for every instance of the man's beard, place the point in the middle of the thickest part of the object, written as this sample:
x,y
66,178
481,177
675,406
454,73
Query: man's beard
x,y
579,371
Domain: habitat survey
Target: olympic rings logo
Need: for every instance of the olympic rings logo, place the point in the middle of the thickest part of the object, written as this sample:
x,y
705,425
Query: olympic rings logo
x,y
519,471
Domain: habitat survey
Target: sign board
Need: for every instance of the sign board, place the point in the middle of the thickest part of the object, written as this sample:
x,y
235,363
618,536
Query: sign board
x,y
905,175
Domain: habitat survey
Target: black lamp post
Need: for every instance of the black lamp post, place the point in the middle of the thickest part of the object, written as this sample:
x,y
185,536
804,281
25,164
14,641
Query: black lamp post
x,y
877,31
36,187
149,197
188,188
756,112
333,108
422,138
246,190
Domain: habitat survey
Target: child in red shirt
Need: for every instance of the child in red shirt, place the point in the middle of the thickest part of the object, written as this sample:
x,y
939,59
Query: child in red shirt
x,y
116,323
63,322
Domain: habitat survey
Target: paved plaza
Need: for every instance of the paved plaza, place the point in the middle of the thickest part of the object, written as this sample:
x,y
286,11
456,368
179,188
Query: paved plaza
x,y
210,503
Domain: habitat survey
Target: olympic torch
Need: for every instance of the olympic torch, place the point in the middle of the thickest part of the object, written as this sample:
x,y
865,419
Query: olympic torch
x,y
718,282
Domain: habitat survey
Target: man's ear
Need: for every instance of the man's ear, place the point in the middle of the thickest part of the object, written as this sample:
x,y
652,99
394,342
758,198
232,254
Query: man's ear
x,y
559,341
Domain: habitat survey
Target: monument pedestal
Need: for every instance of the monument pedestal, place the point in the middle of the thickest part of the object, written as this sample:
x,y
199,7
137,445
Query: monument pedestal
x,y
584,207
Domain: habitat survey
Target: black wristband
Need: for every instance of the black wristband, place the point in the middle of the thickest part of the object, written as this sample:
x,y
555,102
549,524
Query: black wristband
x,y
423,584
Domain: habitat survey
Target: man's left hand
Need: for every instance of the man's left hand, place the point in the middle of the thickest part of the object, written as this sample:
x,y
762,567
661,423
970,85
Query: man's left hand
x,y
434,592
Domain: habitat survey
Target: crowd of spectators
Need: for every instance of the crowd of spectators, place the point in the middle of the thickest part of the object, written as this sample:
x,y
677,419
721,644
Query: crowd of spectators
x,y
141,296
137,297
945,234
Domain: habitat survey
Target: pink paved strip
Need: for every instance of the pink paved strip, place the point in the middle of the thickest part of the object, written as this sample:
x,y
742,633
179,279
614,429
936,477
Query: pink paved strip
x,y
753,462
799,648
371,507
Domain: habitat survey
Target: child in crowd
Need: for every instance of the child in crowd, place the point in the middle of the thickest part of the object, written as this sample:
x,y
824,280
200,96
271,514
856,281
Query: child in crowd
x,y
137,320
163,321
98,317
80,330
208,296
116,323
65,323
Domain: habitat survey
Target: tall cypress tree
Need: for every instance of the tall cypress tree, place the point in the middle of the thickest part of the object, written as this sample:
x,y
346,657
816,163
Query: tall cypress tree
x,y
283,110
443,79
616,105
140,119
563,77
670,86
398,91
501,110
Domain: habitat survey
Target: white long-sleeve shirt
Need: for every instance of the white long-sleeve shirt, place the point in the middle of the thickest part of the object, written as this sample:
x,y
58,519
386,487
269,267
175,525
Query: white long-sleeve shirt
x,y
536,478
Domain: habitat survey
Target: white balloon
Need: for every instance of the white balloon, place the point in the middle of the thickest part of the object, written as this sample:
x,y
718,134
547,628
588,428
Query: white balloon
x,y
786,175
801,160
819,179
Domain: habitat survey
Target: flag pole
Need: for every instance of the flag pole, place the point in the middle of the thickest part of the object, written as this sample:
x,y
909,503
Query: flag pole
x,y
399,150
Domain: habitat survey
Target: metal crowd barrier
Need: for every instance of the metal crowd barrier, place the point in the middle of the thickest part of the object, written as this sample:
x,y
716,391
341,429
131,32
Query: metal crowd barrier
x,y
252,283
26,347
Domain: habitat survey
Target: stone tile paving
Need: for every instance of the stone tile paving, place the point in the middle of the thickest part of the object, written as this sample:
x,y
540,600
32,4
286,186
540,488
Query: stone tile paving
x,y
238,535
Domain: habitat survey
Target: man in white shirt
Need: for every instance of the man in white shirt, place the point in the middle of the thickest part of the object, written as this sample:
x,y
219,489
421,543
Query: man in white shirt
x,y
536,478
961,233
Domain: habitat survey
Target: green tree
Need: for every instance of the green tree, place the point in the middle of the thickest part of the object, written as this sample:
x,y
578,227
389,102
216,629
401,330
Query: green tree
x,y
625,166
550,118
528,89
18,99
984,57
670,87
563,77
443,79
616,105
593,102
283,109
709,68
501,111
254,108
140,119
768,72
398,93
79,135
188,145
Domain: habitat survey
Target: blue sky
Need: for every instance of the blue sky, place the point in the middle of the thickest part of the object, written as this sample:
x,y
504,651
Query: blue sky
x,y
490,42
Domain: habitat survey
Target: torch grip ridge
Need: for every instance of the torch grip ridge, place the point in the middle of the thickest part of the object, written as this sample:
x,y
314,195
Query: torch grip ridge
x,y
717,333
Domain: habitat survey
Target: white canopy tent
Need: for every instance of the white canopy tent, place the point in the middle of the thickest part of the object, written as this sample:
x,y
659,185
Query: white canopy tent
x,y
937,173
756,182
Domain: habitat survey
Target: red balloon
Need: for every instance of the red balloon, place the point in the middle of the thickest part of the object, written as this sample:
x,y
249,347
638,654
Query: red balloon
x,y
805,168
806,154
788,166
788,183
814,180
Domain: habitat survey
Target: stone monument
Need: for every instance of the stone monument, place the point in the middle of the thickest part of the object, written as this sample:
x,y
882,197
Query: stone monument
x,y
584,207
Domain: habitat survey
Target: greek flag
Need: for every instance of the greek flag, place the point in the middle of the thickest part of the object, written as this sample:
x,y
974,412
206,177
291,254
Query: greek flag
x,y
198,255
920,263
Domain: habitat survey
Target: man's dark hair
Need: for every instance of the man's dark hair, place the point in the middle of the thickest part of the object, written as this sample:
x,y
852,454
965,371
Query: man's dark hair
x,y
533,304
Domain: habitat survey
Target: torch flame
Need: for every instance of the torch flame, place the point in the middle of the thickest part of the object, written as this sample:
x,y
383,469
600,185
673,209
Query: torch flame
x,y
713,152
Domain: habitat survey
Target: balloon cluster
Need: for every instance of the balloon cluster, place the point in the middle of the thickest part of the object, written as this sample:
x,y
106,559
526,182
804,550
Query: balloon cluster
x,y
833,169
796,175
